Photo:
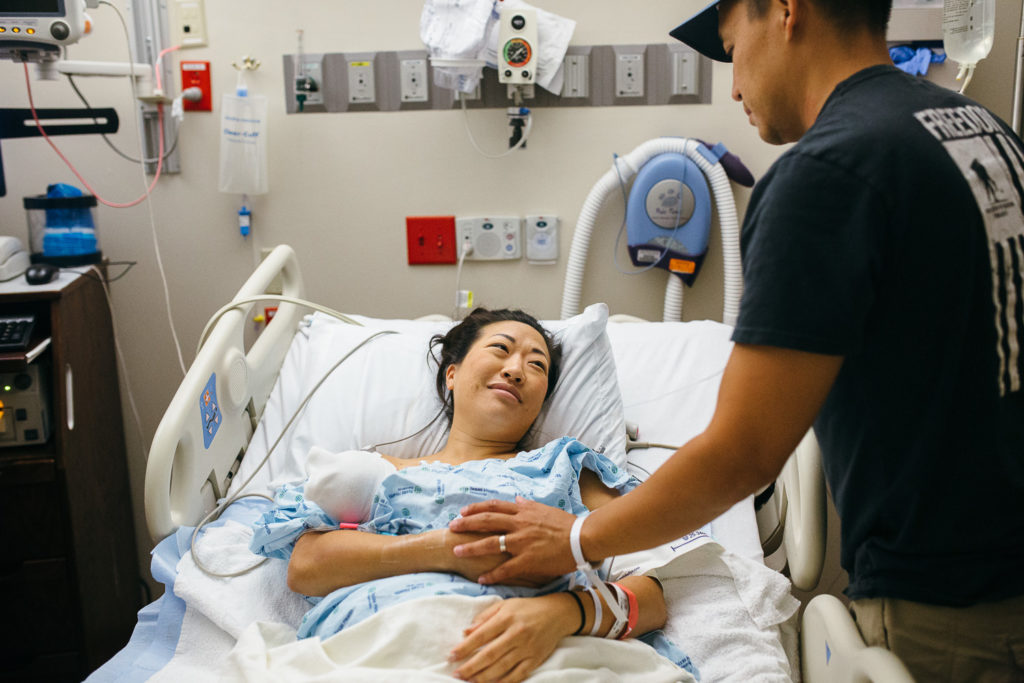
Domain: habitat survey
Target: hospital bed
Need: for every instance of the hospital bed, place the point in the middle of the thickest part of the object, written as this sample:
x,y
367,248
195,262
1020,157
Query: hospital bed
x,y
732,615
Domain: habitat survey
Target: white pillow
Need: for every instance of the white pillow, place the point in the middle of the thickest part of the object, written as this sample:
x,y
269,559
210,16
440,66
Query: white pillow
x,y
385,391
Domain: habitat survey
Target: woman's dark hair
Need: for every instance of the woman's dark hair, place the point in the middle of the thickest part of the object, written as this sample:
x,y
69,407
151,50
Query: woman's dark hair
x,y
450,348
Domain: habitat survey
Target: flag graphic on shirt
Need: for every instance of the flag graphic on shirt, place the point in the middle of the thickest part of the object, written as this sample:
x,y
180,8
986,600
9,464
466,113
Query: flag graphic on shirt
x,y
993,165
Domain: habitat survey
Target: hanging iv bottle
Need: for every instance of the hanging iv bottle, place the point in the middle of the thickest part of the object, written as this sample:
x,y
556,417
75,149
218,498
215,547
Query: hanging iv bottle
x,y
968,28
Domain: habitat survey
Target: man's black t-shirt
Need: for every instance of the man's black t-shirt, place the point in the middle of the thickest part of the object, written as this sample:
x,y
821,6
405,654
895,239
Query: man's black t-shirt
x,y
892,234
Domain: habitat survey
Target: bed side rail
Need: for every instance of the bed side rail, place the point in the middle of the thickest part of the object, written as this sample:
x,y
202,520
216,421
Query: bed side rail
x,y
206,428
792,513
832,651
803,513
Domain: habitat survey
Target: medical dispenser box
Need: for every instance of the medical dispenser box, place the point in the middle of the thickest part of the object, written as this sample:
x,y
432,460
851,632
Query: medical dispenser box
x,y
62,230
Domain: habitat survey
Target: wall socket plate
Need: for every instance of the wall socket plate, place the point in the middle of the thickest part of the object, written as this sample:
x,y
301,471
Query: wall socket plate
x,y
189,26
430,239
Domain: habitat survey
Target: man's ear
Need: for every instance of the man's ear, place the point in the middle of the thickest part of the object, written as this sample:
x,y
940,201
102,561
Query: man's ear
x,y
791,13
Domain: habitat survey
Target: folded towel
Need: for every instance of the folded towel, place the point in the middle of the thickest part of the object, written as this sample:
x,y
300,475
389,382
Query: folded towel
x,y
229,603
727,612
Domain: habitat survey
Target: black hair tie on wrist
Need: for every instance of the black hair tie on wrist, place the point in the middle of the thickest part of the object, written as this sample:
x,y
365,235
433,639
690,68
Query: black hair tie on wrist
x,y
583,615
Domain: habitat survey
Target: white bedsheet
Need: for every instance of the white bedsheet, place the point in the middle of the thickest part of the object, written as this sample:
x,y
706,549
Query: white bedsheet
x,y
410,642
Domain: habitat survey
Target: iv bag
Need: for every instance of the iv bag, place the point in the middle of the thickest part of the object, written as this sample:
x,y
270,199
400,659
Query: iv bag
x,y
968,28
243,144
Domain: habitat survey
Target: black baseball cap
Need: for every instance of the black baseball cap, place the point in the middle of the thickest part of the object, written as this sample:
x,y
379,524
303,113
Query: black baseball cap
x,y
701,33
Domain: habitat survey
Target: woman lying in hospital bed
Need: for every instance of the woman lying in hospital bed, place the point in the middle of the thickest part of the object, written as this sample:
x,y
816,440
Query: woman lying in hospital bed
x,y
394,546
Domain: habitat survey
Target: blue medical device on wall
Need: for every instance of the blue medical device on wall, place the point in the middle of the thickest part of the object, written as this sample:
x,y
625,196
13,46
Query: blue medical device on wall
x,y
668,216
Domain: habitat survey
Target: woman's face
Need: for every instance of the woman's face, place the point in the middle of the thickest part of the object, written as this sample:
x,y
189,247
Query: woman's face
x,y
499,387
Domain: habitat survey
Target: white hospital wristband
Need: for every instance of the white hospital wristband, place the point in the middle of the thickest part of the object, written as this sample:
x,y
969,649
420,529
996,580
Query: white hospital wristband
x,y
591,575
574,543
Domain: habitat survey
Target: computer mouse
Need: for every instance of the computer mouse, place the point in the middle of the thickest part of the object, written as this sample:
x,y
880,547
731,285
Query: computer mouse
x,y
41,273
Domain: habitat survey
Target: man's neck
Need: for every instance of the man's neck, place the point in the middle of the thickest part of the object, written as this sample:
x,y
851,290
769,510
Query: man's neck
x,y
834,65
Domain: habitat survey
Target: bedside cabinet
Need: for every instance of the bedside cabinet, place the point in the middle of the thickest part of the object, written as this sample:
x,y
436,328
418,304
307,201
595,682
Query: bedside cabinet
x,y
69,579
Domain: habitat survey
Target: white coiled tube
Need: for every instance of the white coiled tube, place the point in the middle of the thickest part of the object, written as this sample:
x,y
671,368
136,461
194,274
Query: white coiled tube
x,y
609,183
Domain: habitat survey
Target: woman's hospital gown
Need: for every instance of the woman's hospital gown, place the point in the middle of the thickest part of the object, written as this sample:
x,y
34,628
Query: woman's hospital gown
x,y
428,496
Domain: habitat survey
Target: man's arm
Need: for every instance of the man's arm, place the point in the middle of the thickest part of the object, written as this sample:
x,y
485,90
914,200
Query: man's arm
x,y
767,401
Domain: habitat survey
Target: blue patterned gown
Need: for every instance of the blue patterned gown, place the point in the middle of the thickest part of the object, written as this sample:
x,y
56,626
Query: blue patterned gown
x,y
426,497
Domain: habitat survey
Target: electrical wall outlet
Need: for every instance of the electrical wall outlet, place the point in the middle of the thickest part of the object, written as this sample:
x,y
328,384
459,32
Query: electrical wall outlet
x,y
196,74
430,239
190,23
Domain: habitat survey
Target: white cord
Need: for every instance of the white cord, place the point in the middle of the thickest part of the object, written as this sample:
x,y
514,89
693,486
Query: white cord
x,y
217,511
145,182
469,132
120,358
238,303
465,250
630,445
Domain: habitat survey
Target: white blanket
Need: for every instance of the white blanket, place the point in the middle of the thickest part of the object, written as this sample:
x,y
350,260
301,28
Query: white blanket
x,y
410,642
725,612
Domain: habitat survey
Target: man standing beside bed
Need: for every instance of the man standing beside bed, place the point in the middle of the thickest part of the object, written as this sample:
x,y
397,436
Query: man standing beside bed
x,y
496,368
883,303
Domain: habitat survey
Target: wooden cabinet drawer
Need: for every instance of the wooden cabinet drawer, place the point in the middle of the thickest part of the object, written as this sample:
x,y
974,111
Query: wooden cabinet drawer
x,y
31,512
39,617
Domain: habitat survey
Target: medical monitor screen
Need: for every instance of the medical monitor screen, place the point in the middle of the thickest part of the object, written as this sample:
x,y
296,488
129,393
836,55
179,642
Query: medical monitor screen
x,y
36,7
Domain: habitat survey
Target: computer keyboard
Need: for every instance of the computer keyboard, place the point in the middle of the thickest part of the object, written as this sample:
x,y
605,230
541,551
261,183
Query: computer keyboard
x,y
15,331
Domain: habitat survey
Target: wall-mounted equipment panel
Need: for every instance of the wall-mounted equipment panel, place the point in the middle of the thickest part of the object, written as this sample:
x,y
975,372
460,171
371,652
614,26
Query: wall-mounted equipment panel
x,y
595,76
493,238
309,78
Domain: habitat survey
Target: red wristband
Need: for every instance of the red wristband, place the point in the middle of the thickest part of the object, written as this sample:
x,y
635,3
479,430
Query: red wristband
x,y
634,610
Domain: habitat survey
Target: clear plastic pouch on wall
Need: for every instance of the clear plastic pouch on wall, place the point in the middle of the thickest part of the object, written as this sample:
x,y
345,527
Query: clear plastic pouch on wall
x,y
243,144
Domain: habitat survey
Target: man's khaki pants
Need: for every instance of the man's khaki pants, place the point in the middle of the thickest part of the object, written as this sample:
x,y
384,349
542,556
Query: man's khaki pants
x,y
983,643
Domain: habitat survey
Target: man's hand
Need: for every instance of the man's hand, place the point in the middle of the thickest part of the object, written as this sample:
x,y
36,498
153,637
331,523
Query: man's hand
x,y
536,535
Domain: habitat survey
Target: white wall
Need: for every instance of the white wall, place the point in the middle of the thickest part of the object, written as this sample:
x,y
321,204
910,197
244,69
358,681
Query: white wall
x,y
342,184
